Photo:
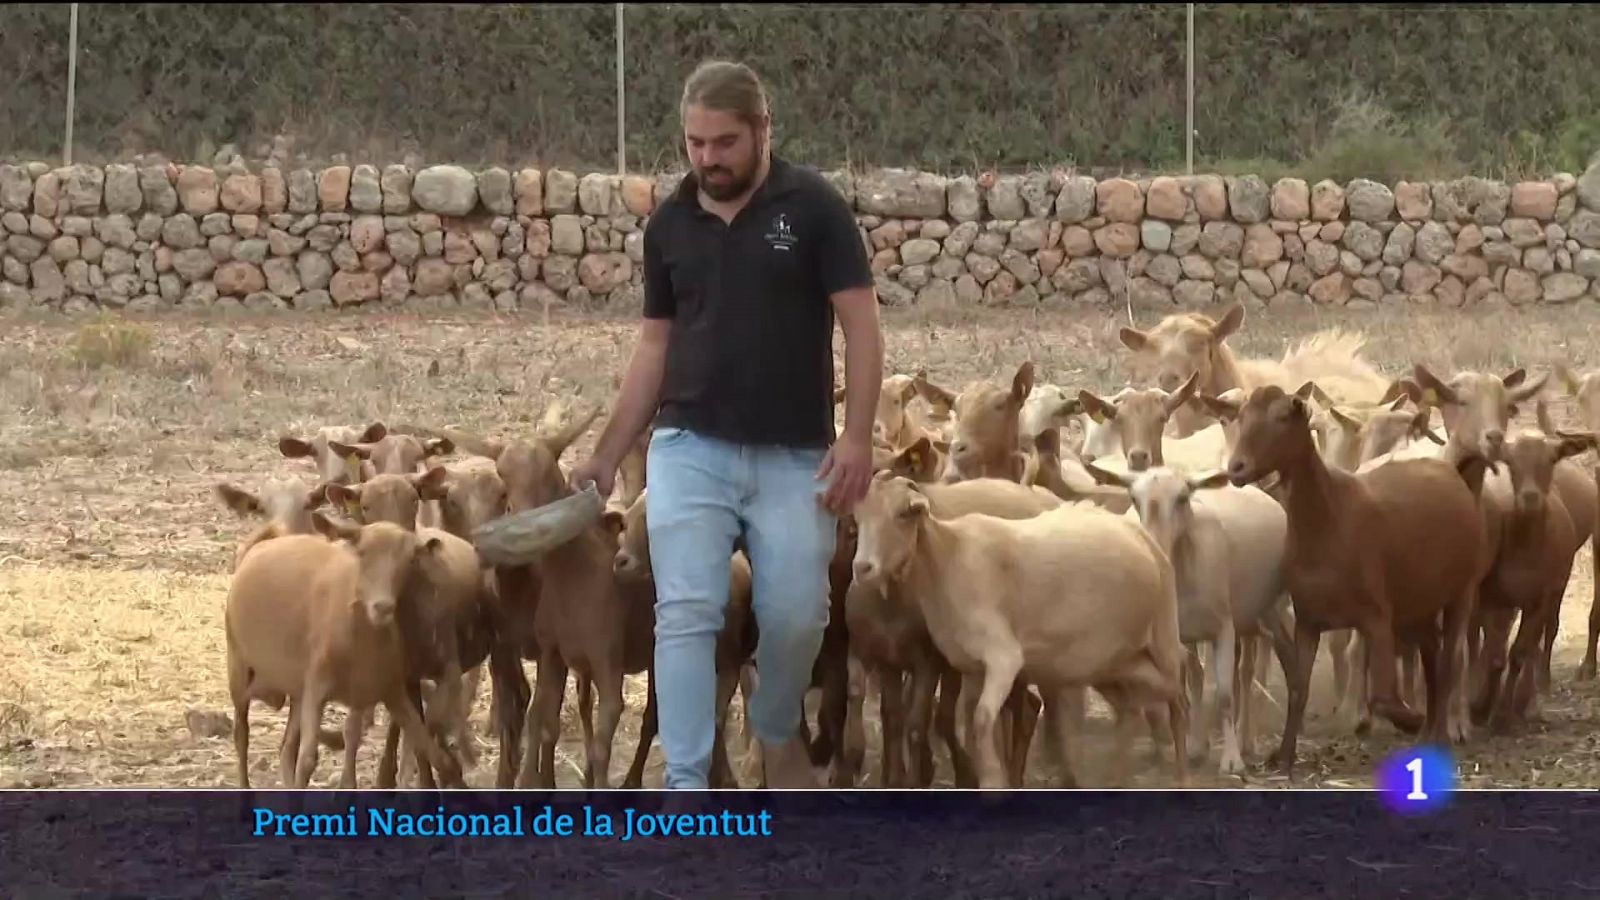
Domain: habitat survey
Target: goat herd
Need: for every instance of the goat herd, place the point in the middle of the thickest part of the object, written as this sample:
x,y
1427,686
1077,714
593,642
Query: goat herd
x,y
997,567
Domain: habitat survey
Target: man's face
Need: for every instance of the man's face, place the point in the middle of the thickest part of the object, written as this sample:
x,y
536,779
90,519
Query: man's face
x,y
724,151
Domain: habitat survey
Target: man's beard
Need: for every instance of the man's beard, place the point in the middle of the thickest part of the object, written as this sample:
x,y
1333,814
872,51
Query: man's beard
x,y
728,190
723,191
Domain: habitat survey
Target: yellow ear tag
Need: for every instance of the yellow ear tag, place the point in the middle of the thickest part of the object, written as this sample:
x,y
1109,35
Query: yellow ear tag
x,y
353,461
352,507
915,459
1430,396
1095,415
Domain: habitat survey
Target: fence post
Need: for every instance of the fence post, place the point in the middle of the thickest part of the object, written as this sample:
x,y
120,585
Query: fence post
x,y
622,119
1188,131
72,81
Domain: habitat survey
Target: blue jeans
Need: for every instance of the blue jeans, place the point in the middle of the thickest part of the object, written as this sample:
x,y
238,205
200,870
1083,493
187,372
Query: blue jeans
x,y
703,492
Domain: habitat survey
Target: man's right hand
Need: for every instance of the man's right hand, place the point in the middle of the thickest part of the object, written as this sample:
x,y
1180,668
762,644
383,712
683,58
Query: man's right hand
x,y
602,472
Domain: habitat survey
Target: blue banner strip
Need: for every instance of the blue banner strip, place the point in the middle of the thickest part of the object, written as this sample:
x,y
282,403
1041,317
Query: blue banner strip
x,y
879,844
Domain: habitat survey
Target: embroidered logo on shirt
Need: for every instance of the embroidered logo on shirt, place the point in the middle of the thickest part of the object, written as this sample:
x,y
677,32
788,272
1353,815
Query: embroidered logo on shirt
x,y
781,236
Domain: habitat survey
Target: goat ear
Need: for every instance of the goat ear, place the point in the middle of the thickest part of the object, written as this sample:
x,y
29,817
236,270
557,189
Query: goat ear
x,y
1133,339
349,450
1514,377
1223,410
1402,387
615,521
940,399
917,506
1309,390
1216,479
1097,409
1183,394
241,501
1229,323
1434,391
318,495
906,393
374,433
1575,442
918,458
438,447
336,529
1344,420
1528,387
1022,382
431,484
295,448
1109,479
347,496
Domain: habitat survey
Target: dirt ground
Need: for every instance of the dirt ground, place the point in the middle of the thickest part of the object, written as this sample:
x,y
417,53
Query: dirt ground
x,y
113,551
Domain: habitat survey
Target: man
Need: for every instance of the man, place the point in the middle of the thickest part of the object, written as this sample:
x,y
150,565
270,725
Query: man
x,y
745,267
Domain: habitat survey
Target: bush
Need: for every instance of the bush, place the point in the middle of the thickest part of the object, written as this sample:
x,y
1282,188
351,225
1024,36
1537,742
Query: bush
x,y
111,341
941,87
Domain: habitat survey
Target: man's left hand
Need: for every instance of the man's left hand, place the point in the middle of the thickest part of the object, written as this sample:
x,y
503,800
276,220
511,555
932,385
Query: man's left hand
x,y
849,461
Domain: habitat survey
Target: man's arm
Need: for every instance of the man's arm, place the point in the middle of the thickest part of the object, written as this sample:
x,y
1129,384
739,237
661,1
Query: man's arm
x,y
640,393
857,309
847,276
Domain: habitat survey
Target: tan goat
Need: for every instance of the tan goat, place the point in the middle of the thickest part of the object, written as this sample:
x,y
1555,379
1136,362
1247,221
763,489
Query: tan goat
x,y
1185,344
315,619
532,474
331,466
889,633
1138,420
1070,598
287,504
1226,546
1584,390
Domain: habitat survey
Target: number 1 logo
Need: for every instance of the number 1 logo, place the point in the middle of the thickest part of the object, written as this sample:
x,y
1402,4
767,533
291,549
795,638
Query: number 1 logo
x,y
1417,780
1415,768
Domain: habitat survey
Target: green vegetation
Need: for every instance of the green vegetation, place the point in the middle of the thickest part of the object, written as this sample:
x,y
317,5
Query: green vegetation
x,y
1381,91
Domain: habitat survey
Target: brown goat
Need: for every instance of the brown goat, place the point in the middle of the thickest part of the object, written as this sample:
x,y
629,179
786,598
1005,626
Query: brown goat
x,y
445,621
315,619
1352,559
1530,573
1477,409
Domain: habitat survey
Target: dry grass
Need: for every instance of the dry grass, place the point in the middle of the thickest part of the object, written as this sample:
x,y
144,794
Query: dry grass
x,y
113,553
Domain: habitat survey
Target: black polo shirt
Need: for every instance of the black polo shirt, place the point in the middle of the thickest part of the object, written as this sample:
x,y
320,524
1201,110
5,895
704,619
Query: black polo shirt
x,y
750,359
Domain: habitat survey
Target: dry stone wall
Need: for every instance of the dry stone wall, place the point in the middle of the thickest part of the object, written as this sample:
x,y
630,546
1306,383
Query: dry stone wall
x,y
148,236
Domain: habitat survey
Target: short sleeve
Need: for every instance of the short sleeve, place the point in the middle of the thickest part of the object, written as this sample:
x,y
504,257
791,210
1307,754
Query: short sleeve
x,y
659,303
843,259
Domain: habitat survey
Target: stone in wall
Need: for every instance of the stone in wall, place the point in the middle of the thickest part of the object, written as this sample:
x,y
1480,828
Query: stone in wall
x,y
146,236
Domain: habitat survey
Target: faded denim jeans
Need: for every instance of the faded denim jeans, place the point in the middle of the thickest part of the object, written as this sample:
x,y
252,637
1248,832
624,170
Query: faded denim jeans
x,y
703,493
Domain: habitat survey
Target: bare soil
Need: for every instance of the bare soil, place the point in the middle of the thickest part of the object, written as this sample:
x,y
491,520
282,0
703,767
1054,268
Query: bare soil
x,y
114,552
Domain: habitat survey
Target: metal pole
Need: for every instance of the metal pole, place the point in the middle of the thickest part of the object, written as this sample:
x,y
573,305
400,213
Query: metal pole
x,y
622,120
1188,132
72,81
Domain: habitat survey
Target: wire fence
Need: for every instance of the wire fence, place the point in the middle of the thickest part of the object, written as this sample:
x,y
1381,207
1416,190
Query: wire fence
x,y
1385,90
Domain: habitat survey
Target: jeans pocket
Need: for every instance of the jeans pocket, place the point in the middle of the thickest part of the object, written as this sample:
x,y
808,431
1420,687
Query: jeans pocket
x,y
666,435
